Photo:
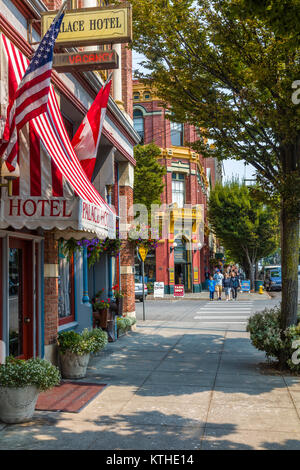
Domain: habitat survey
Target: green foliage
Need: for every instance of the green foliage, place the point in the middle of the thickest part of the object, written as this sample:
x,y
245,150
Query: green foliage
x,y
20,373
95,248
125,323
225,69
266,335
148,175
248,229
76,343
100,339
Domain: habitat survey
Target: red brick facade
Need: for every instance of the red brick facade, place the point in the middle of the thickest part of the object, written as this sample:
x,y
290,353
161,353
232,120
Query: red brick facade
x,y
50,289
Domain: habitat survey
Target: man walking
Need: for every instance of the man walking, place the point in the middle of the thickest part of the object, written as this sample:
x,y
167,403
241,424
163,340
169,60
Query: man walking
x,y
218,278
235,284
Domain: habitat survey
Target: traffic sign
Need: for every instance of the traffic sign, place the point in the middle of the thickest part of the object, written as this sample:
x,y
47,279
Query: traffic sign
x,y
143,251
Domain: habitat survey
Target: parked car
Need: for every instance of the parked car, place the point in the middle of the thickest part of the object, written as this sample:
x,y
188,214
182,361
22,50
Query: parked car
x,y
273,280
138,287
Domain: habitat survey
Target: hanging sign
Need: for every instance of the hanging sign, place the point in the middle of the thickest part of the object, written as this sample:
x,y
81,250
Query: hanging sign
x,y
87,60
92,26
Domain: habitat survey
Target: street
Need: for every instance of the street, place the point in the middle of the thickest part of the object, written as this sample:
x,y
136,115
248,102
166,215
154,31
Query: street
x,y
177,382
200,312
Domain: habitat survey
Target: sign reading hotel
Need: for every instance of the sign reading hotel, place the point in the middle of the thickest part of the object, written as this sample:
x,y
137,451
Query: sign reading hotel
x,y
92,26
87,60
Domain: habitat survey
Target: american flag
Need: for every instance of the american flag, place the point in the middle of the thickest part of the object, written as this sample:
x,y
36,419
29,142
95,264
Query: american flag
x,y
31,97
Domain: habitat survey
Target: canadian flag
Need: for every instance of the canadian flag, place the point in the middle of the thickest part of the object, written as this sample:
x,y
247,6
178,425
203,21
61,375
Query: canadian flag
x,y
86,140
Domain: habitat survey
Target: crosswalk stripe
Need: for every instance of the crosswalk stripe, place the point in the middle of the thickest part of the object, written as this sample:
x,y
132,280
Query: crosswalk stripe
x,y
219,316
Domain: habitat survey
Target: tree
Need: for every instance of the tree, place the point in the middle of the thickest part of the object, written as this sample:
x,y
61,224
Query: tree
x,y
225,69
148,175
247,229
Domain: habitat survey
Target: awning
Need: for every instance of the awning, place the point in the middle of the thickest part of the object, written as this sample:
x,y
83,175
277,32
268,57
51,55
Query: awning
x,y
53,190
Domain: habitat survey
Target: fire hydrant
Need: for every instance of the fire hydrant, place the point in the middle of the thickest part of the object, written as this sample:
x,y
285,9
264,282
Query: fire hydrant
x,y
261,290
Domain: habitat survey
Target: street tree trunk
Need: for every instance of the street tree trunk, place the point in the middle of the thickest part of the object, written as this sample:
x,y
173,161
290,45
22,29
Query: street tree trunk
x,y
289,264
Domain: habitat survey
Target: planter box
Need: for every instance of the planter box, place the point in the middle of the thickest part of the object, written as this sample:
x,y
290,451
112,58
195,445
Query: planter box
x,y
100,318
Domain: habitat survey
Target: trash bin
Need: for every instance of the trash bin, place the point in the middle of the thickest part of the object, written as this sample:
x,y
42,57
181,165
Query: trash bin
x,y
258,284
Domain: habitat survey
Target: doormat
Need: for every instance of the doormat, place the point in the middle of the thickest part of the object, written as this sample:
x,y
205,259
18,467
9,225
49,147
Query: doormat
x,y
68,396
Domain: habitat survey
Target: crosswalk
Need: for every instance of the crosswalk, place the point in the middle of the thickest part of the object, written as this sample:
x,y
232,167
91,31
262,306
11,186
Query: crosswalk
x,y
225,312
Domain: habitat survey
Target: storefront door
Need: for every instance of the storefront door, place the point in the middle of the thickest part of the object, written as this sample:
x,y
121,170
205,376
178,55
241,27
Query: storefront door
x,y
20,300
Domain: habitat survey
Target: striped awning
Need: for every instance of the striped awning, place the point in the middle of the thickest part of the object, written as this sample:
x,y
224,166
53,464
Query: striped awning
x,y
53,190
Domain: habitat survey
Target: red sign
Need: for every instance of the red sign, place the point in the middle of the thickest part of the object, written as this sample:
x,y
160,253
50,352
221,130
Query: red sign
x,y
178,291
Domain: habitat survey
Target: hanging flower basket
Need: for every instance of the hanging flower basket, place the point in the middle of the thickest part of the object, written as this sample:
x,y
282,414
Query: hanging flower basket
x,y
141,235
95,248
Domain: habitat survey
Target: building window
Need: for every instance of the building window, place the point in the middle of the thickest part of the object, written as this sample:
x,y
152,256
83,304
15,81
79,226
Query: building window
x,y
176,134
147,95
178,189
138,123
136,96
66,310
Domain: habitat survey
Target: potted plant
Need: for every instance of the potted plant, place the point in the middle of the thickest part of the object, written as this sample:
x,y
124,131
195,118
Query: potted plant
x,y
101,313
119,296
125,324
74,353
20,383
100,340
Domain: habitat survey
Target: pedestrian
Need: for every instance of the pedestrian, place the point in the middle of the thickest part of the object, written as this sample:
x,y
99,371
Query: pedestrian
x,y
227,286
235,284
218,278
211,287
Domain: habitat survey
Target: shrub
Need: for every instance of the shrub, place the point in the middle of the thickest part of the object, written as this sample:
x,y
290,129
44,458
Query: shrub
x,y
75,343
20,373
100,339
124,323
266,335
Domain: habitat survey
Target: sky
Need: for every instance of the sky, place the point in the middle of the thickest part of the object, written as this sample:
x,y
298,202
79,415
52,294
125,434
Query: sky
x,y
231,168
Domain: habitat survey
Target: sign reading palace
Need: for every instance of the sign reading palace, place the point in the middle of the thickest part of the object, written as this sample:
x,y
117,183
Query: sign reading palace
x,y
92,26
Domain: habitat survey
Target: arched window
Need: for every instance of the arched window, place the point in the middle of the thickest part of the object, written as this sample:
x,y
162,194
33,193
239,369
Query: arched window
x,y
138,123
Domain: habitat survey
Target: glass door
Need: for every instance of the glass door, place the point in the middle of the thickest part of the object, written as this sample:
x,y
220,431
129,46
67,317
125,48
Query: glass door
x,y
20,298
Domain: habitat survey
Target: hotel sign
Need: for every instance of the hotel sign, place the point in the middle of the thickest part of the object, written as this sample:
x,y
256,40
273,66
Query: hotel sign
x,y
92,26
87,60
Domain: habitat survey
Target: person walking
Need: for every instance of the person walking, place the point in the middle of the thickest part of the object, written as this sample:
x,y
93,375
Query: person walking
x,y
235,284
227,286
211,287
218,278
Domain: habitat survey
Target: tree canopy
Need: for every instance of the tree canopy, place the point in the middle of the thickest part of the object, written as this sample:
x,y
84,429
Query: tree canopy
x,y
230,70
247,229
148,175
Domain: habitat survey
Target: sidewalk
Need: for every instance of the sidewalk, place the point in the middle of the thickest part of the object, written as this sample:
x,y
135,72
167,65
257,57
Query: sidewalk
x,y
204,295
174,386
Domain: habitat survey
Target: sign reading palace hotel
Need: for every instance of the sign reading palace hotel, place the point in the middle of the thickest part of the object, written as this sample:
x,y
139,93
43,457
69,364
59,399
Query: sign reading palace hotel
x,y
91,26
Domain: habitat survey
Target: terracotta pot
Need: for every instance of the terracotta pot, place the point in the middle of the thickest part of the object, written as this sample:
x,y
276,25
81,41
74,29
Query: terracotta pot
x,y
17,404
100,318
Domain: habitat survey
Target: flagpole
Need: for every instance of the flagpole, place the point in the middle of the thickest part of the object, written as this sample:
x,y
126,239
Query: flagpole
x,y
62,8
107,80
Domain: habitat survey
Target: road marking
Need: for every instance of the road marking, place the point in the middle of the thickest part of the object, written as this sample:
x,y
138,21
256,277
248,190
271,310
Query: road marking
x,y
219,316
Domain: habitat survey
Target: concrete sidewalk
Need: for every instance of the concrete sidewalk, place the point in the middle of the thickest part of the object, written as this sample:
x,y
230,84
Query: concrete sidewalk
x,y
174,385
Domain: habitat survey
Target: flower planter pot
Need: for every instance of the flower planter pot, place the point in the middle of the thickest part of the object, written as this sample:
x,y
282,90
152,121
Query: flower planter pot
x,y
120,303
100,318
17,404
74,366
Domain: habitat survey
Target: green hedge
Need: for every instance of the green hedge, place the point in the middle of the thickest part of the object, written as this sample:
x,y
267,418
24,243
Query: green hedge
x,y
266,335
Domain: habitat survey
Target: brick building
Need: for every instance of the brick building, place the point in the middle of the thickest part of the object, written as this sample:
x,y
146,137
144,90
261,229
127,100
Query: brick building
x,y
183,257
42,292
